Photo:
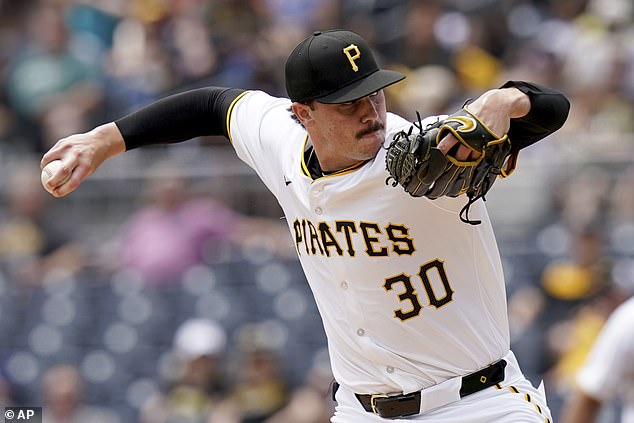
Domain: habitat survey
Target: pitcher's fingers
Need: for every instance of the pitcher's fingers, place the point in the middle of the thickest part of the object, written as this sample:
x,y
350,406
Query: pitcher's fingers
x,y
54,153
77,176
49,157
461,152
66,188
469,154
447,143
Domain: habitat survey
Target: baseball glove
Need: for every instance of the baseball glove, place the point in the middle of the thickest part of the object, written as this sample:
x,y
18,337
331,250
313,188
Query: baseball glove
x,y
414,161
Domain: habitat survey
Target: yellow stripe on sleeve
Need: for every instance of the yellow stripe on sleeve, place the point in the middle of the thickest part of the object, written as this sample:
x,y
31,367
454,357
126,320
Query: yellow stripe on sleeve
x,y
228,123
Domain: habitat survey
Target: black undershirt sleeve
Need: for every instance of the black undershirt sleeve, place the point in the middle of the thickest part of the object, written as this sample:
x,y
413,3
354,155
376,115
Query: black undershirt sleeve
x,y
179,117
549,111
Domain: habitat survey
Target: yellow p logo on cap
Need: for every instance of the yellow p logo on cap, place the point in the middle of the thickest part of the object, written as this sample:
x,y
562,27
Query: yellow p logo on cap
x,y
352,57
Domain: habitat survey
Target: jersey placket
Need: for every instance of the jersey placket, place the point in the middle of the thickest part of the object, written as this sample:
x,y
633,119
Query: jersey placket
x,y
343,280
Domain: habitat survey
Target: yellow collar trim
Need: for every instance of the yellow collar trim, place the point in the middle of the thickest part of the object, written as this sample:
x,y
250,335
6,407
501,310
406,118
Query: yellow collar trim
x,y
349,169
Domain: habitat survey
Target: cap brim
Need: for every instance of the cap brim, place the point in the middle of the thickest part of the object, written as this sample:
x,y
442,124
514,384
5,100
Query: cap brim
x,y
366,86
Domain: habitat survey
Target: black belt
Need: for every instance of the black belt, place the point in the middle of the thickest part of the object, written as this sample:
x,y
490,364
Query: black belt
x,y
394,406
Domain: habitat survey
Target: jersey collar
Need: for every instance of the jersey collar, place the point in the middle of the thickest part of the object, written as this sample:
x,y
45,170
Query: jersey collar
x,y
310,165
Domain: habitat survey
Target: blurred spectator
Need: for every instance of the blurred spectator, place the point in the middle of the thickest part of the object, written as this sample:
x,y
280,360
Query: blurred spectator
x,y
312,401
32,245
621,200
525,308
582,196
189,38
575,289
555,322
176,229
284,27
172,230
199,347
608,373
300,13
91,25
47,85
137,66
428,90
258,388
584,273
235,27
62,402
570,340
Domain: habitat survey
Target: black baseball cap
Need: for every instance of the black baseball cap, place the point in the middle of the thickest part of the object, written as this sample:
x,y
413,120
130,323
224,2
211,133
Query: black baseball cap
x,y
334,66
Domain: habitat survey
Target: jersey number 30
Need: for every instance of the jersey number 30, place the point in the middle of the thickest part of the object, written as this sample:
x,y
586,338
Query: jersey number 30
x,y
426,272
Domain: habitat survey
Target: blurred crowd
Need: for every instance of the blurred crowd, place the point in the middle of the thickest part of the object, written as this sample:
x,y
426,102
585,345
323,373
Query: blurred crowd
x,y
68,64
565,222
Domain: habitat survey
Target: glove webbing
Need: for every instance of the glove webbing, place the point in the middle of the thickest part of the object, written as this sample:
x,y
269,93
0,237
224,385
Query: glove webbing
x,y
418,124
486,185
472,199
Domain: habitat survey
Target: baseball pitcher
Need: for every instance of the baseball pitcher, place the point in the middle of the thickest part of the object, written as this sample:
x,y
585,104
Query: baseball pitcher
x,y
387,217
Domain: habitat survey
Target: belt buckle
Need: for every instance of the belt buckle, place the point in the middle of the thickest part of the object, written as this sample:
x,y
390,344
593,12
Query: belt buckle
x,y
373,398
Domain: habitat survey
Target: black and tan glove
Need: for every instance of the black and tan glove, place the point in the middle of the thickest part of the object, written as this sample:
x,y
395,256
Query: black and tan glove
x,y
414,161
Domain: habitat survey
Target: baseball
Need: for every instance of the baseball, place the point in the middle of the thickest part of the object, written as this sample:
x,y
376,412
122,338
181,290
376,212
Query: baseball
x,y
51,169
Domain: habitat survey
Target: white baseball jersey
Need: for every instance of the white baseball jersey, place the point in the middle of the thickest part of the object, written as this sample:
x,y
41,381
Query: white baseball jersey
x,y
409,295
608,372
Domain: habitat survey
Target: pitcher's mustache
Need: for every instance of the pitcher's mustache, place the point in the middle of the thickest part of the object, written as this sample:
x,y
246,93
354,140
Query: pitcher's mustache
x,y
374,127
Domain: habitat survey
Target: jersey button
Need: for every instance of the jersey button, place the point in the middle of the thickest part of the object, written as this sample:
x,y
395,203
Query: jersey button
x,y
390,369
344,285
318,210
360,332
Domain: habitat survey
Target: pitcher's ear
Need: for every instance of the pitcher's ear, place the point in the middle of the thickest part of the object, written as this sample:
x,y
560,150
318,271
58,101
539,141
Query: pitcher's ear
x,y
303,112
